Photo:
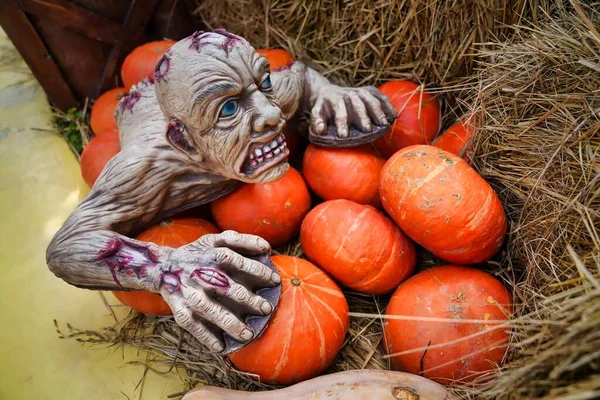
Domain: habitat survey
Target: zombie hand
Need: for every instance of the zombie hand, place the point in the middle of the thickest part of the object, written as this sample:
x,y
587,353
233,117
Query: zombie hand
x,y
349,116
213,288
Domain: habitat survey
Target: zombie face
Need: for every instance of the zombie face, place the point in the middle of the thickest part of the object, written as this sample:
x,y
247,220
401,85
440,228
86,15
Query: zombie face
x,y
221,107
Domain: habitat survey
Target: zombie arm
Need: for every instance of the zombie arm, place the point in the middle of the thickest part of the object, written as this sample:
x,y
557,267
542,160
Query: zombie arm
x,y
339,116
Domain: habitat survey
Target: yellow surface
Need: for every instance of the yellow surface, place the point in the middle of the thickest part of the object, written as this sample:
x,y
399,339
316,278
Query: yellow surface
x,y
40,184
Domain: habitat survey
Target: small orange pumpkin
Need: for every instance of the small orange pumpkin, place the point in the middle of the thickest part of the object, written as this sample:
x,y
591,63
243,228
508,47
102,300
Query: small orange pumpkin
x,y
97,153
102,118
273,211
141,62
351,173
174,233
278,58
455,293
457,140
306,331
357,245
443,204
418,117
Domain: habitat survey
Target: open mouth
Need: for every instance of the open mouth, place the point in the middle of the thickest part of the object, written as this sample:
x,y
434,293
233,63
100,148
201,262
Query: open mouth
x,y
263,156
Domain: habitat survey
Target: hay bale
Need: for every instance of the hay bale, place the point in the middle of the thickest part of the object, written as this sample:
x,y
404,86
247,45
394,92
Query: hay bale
x,y
357,42
537,98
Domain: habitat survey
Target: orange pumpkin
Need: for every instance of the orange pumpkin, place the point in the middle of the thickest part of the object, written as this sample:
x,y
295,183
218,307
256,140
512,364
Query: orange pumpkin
x,y
307,329
351,173
457,140
418,117
454,293
357,245
440,202
172,233
273,211
141,62
278,58
97,153
102,118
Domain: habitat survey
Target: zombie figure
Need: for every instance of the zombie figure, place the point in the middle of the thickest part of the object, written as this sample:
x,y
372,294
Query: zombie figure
x,y
212,119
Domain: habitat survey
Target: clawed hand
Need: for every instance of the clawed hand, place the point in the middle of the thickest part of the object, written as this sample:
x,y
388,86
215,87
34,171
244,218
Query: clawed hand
x,y
363,107
207,283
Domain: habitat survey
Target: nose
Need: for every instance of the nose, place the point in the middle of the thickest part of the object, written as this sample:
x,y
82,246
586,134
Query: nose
x,y
267,114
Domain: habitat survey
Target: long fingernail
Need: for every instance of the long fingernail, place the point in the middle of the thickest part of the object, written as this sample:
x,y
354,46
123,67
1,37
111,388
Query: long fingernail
x,y
384,121
266,308
275,278
368,127
321,127
246,334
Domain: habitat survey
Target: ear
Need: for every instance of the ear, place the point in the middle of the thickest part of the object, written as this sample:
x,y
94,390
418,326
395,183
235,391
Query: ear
x,y
178,136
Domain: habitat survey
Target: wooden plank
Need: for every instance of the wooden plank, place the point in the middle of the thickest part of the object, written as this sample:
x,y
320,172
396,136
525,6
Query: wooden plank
x,y
77,19
139,14
20,31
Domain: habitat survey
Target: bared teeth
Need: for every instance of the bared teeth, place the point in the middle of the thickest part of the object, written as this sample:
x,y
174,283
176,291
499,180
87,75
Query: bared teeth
x,y
254,163
269,156
261,159
277,151
279,139
258,152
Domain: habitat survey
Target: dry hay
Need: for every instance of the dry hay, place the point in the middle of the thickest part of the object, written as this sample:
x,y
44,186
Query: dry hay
x,y
357,42
537,99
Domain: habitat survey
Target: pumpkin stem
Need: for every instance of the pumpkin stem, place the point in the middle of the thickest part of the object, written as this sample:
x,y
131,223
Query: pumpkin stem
x,y
295,281
165,223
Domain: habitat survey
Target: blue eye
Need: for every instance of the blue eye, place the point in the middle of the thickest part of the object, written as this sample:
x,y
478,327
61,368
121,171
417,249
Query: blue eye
x,y
229,108
266,84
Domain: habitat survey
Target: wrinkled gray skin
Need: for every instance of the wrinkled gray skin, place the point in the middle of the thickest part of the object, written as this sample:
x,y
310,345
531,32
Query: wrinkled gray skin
x,y
180,149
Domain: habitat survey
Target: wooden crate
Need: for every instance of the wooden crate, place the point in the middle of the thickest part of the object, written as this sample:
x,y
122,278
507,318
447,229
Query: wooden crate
x,y
75,48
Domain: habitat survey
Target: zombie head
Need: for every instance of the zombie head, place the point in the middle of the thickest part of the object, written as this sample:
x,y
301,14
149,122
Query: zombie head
x,y
216,93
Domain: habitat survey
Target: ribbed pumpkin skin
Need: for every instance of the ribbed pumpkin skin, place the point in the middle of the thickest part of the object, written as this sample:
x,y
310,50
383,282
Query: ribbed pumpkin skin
x,y
449,292
418,117
307,329
358,246
102,118
278,58
97,153
174,233
141,62
443,204
351,174
456,138
273,211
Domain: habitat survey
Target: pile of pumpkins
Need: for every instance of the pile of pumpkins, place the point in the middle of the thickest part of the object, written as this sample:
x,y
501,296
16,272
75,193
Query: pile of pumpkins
x,y
376,204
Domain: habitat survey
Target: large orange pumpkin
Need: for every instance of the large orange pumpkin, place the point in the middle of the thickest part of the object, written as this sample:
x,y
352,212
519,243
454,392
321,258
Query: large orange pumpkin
x,y
278,58
357,245
174,233
453,293
102,118
97,153
351,173
443,204
273,211
457,139
418,117
141,62
307,329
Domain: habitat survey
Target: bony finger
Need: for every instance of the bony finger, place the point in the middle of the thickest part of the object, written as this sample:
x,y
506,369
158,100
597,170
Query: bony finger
x,y
360,116
374,108
341,117
220,316
243,296
239,242
318,122
229,259
185,319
